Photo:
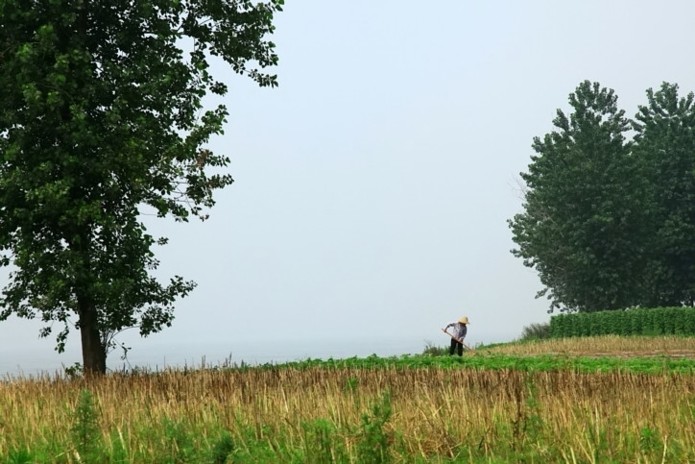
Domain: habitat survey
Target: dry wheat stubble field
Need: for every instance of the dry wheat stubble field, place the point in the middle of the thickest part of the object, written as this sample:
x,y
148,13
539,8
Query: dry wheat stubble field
x,y
312,413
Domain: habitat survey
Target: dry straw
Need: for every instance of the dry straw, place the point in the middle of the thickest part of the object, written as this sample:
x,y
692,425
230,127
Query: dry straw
x,y
476,414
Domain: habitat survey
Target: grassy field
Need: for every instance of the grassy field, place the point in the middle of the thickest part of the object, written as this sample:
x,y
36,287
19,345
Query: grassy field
x,y
609,399
610,345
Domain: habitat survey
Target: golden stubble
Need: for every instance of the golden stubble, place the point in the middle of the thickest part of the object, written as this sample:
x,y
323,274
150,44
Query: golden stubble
x,y
436,411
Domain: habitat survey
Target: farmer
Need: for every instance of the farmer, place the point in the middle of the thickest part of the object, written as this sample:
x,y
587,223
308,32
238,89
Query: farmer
x,y
460,331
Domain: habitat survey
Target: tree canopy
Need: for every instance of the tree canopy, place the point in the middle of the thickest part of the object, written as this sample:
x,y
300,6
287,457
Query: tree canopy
x,y
665,147
608,221
103,117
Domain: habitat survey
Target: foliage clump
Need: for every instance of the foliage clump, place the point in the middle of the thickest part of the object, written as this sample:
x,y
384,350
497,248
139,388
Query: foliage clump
x,y
637,321
102,123
609,215
536,331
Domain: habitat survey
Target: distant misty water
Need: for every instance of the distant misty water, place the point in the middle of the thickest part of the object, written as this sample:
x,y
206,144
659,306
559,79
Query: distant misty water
x,y
157,355
193,354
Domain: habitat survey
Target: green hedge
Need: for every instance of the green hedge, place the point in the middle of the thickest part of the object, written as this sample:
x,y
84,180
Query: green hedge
x,y
650,321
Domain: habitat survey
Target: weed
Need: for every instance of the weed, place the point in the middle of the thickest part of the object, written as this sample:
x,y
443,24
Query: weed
x,y
86,432
20,456
180,445
322,444
374,441
351,384
648,439
119,450
536,331
223,447
527,425
434,350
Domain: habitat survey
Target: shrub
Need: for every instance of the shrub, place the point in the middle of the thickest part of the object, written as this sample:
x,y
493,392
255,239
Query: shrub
x,y
634,321
433,350
536,331
85,428
374,438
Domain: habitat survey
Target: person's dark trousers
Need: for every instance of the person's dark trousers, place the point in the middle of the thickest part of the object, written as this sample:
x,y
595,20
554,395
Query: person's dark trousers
x,y
456,346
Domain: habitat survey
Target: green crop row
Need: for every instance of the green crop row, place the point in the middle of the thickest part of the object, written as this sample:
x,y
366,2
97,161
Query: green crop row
x,y
654,321
544,363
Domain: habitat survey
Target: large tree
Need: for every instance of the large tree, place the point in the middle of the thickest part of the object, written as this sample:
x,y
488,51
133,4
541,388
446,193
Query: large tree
x,y
665,147
581,224
102,117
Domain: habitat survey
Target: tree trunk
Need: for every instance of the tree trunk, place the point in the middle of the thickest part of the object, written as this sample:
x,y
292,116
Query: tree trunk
x,y
93,350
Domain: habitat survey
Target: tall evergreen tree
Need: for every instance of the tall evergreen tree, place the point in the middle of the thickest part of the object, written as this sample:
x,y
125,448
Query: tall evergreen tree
x,y
581,224
101,116
665,147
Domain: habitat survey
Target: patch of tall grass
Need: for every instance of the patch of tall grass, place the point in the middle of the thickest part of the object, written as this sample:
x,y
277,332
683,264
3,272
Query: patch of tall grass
x,y
607,345
350,415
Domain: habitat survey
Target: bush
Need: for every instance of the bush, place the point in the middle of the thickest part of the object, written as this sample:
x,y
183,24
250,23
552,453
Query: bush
x,y
634,321
433,350
536,331
85,428
374,442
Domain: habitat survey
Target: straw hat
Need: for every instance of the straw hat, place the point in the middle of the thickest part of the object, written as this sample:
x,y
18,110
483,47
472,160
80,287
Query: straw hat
x,y
464,320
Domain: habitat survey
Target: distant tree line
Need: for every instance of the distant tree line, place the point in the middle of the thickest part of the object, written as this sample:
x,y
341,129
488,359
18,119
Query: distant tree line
x,y
608,217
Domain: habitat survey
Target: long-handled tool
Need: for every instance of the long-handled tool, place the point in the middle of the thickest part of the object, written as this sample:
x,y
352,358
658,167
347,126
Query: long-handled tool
x,y
458,340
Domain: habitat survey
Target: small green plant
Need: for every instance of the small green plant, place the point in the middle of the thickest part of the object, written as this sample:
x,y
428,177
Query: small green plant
x,y
375,441
179,441
20,456
322,444
351,384
119,451
85,429
648,439
222,448
527,426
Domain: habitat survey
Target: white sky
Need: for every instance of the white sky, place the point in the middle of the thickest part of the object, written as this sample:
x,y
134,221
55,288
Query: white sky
x,y
373,186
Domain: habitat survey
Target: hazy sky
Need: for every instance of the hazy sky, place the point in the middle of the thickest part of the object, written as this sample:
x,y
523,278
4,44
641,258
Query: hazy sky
x,y
373,186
